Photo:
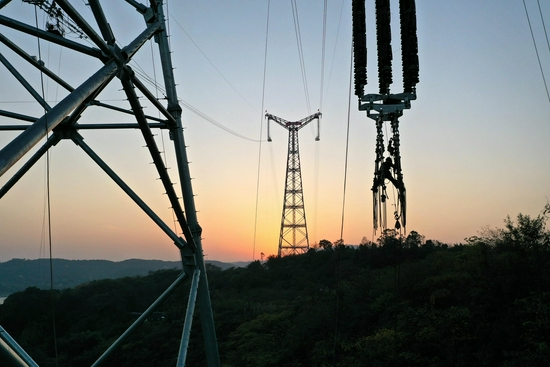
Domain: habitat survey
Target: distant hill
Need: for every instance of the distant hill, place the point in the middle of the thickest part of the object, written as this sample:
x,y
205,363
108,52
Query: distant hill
x,y
18,274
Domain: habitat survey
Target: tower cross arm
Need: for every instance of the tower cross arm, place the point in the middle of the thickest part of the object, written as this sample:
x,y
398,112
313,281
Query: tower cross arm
x,y
293,124
306,120
284,123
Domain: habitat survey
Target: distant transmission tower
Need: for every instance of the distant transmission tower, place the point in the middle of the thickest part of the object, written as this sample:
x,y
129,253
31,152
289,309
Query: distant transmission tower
x,y
293,238
386,106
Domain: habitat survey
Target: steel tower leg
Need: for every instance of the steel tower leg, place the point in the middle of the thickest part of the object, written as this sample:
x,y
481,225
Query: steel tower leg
x,y
203,294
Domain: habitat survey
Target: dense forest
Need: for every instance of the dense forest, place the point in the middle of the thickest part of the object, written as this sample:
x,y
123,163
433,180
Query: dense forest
x,y
402,301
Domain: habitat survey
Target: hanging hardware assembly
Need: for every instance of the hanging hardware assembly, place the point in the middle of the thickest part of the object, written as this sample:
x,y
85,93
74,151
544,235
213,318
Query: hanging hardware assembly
x,y
384,106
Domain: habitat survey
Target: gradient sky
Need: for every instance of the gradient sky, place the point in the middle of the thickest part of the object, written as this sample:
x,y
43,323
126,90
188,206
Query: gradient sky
x,y
474,144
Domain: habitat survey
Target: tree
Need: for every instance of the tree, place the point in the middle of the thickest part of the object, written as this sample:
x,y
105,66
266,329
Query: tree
x,y
524,234
527,233
366,242
414,240
325,244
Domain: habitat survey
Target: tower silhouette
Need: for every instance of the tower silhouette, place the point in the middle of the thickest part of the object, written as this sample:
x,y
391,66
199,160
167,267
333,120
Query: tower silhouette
x,y
63,121
293,238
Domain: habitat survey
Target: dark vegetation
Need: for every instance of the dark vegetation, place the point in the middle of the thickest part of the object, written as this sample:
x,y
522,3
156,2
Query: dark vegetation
x,y
407,302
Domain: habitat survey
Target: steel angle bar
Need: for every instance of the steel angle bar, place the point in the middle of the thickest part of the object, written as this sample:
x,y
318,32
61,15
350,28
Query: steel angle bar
x,y
52,140
19,146
139,7
184,343
143,89
141,319
24,83
115,125
16,116
79,110
104,26
157,160
35,32
140,40
127,52
34,62
167,68
8,357
18,356
13,127
123,110
4,3
79,140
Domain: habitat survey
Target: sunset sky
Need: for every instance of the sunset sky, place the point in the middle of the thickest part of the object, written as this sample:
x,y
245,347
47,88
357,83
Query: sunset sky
x,y
475,144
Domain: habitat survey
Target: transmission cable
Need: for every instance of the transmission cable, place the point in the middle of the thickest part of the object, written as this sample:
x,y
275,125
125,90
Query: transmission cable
x,y
323,42
543,26
347,148
48,195
536,50
316,165
214,122
300,52
335,44
152,81
211,63
338,251
261,132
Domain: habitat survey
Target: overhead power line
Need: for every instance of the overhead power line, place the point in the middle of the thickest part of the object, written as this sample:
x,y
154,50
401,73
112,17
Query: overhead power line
x,y
214,122
536,50
300,52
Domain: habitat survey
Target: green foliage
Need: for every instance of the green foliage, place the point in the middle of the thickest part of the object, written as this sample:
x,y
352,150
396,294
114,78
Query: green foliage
x,y
397,302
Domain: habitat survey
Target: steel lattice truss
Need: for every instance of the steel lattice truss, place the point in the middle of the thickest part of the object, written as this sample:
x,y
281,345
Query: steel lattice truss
x,y
293,238
48,123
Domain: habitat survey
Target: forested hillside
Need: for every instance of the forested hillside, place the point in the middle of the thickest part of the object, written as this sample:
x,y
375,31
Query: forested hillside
x,y
18,274
397,302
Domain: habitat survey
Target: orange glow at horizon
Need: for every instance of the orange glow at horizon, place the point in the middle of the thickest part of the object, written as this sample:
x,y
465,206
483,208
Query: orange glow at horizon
x,y
468,159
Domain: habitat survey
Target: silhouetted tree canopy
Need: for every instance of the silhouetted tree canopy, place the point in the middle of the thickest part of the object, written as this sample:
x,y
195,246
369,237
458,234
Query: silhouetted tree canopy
x,y
394,302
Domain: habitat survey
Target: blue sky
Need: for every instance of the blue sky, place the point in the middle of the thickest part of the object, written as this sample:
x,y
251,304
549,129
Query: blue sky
x,y
474,144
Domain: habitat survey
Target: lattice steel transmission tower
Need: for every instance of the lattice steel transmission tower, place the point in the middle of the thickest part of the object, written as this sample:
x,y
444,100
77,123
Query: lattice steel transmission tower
x,y
293,238
385,106
75,112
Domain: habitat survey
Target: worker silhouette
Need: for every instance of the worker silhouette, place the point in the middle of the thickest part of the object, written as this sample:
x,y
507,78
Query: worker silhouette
x,y
386,169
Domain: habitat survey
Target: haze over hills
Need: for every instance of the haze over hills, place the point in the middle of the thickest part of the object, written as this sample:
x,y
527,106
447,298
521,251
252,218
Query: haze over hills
x,y
18,274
